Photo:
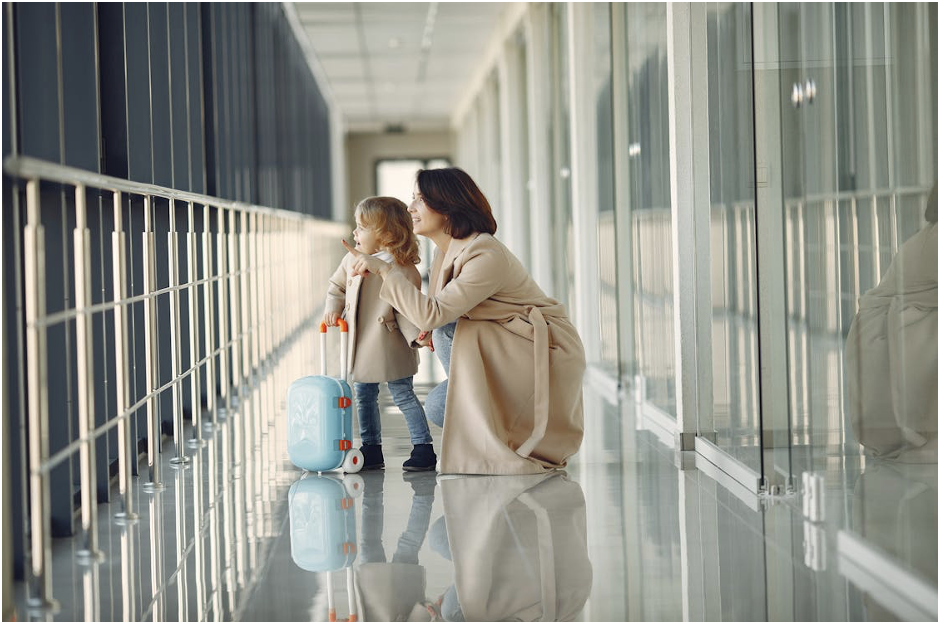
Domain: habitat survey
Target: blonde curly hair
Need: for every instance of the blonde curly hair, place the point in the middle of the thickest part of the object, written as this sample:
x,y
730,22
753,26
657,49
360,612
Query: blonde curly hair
x,y
392,225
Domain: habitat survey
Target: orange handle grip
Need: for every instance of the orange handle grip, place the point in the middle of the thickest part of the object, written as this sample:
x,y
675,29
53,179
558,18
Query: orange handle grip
x,y
343,326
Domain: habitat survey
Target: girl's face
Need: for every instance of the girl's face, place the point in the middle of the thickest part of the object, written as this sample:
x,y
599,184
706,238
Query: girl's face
x,y
426,222
366,239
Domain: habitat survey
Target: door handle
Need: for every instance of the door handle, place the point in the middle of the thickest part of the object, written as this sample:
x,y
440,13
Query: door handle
x,y
797,95
810,91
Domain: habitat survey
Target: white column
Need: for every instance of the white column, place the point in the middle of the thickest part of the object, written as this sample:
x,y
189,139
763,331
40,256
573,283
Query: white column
x,y
537,33
514,225
583,168
690,215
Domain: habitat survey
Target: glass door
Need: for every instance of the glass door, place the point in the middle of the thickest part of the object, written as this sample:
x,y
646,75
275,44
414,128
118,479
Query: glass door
x,y
734,298
855,164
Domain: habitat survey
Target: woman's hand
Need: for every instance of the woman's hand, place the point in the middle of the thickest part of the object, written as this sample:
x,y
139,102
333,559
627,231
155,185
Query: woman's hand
x,y
331,318
364,263
425,338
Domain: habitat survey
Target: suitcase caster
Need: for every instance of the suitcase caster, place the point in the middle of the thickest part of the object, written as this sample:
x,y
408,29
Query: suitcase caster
x,y
354,485
353,462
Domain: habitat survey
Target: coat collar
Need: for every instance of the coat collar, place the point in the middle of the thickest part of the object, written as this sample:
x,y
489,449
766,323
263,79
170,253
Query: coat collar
x,y
443,269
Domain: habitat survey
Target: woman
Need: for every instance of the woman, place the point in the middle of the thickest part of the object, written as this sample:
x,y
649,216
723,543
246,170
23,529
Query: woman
x,y
513,400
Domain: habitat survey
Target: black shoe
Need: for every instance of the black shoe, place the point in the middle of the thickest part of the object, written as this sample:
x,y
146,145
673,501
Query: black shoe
x,y
422,458
373,457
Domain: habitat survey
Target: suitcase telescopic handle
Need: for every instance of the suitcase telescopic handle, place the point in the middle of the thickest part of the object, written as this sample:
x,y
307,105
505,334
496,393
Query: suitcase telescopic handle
x,y
343,347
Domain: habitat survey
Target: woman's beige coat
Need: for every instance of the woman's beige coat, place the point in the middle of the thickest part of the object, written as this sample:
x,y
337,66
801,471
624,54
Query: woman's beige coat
x,y
379,339
514,403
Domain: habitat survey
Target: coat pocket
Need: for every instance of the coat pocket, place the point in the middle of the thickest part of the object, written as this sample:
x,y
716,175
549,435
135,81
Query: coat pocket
x,y
388,323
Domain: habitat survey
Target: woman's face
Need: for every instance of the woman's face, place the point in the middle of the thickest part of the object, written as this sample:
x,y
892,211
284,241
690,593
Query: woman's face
x,y
426,222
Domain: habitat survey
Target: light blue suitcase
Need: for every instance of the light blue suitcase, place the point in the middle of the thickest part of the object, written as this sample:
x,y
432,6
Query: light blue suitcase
x,y
319,417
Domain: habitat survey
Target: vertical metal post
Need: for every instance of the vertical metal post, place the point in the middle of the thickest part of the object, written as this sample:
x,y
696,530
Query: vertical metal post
x,y
85,351
257,292
247,321
209,318
262,300
195,394
235,308
39,579
122,373
154,439
172,257
223,361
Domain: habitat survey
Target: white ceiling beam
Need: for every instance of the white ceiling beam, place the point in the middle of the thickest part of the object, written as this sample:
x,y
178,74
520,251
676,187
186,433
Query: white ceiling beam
x,y
325,89
508,22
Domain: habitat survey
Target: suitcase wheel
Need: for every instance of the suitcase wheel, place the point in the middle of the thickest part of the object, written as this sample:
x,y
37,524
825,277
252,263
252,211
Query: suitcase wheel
x,y
353,462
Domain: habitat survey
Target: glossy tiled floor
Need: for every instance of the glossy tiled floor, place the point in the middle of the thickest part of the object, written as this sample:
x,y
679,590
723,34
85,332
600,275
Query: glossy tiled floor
x,y
631,531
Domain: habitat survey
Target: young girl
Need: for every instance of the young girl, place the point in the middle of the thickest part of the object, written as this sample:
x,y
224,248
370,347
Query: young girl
x,y
379,339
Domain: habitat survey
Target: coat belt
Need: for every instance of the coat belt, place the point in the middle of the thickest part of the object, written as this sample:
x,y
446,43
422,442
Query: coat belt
x,y
541,382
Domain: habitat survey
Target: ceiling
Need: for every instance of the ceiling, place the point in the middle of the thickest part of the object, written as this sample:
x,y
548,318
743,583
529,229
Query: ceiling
x,y
404,64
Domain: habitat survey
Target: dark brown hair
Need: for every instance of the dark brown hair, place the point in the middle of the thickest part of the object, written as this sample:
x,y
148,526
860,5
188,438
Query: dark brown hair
x,y
452,193
393,227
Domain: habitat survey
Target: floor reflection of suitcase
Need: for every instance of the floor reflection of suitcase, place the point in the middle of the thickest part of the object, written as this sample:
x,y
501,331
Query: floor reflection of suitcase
x,y
319,411
322,521
322,529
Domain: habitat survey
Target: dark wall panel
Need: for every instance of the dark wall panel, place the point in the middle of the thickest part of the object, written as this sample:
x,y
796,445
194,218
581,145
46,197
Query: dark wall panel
x,y
80,87
196,129
160,89
113,89
179,87
137,74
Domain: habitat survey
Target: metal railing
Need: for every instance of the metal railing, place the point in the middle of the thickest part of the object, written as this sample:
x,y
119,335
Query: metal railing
x,y
254,278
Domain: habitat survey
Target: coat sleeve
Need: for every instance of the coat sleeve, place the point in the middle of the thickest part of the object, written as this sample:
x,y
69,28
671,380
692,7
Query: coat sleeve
x,y
335,296
480,277
407,328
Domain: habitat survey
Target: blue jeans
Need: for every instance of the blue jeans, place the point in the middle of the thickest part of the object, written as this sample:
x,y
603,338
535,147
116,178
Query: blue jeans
x,y
402,391
443,345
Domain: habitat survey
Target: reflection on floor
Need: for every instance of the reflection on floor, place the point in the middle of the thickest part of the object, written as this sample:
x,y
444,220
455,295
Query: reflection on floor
x,y
631,531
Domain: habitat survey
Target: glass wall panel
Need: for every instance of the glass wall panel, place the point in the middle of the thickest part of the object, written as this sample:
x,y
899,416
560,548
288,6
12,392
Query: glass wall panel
x,y
861,250
605,187
649,195
732,232
857,172
559,137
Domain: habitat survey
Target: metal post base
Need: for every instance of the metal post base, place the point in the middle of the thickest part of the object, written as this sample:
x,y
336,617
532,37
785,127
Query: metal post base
x,y
195,442
87,557
123,518
42,606
179,462
152,488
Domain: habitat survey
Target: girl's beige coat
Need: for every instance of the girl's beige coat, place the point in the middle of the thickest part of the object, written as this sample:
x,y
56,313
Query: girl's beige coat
x,y
379,339
514,403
